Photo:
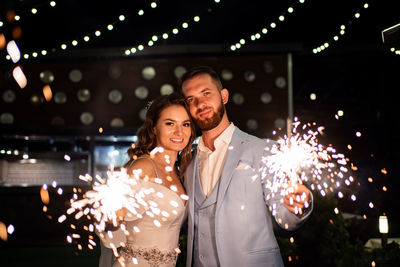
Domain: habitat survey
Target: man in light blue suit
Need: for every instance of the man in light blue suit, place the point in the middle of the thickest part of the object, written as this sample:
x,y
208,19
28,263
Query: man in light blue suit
x,y
230,210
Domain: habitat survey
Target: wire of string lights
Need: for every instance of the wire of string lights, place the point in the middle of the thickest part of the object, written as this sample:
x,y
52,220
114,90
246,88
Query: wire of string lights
x,y
173,31
342,30
266,28
87,37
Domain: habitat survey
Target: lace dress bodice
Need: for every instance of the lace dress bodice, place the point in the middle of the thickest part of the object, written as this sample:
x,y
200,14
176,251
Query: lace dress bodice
x,y
152,240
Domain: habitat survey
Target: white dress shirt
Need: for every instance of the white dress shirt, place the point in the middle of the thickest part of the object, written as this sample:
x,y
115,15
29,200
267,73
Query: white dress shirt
x,y
211,162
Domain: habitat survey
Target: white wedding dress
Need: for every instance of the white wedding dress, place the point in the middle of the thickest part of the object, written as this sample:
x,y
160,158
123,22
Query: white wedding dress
x,y
153,239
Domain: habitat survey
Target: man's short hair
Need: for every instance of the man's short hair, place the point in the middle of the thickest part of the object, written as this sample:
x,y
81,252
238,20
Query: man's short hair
x,y
193,72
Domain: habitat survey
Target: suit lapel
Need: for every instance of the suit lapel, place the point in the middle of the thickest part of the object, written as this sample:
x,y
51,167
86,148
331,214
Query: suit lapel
x,y
191,174
231,161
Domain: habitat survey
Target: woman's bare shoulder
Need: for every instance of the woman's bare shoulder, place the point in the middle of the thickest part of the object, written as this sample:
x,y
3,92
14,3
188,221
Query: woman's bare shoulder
x,y
144,165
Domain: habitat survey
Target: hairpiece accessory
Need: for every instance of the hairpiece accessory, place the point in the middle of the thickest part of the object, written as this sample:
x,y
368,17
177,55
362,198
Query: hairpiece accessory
x,y
149,105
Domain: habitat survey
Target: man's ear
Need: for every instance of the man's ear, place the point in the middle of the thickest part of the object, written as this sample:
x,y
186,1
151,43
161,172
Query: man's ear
x,y
225,95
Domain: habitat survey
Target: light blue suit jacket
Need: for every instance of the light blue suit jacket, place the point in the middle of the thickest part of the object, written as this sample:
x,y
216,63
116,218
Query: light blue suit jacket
x,y
243,221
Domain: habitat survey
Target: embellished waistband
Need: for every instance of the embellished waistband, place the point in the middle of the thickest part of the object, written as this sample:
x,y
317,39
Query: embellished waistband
x,y
153,255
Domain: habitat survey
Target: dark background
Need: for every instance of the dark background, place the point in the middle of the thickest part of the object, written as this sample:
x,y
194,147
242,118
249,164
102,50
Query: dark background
x,y
357,74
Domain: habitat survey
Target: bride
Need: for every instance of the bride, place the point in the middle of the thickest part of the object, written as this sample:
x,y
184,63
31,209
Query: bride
x,y
152,239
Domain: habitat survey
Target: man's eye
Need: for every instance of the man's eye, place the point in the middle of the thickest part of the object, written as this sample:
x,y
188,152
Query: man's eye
x,y
189,100
169,123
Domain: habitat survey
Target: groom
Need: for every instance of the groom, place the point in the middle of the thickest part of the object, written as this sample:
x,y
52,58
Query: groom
x,y
230,215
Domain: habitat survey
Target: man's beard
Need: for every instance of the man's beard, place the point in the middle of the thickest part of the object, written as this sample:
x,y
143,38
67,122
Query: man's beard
x,y
210,123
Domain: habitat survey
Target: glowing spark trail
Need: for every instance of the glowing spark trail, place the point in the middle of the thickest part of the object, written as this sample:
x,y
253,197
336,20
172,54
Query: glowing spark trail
x,y
108,196
299,158
110,200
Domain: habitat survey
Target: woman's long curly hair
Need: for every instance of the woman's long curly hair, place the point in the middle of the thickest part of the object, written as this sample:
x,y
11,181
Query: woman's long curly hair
x,y
147,140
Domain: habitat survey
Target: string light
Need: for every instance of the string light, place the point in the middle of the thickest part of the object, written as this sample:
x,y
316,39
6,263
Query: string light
x,y
32,10
86,37
264,29
14,54
395,50
110,27
342,31
155,37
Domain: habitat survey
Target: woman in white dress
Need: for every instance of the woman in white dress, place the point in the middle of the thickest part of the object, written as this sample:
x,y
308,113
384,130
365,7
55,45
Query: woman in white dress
x,y
152,238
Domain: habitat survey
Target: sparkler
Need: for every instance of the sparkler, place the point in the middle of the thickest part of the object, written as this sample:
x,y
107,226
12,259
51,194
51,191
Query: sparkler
x,y
103,205
5,231
298,157
108,196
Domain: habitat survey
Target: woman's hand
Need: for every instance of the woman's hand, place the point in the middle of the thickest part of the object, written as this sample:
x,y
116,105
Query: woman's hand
x,y
120,216
121,213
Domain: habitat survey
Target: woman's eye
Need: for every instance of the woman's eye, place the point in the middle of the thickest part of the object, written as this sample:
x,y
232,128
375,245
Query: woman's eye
x,y
169,123
186,124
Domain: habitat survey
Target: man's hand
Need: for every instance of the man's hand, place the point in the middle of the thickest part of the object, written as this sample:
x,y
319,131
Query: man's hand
x,y
297,198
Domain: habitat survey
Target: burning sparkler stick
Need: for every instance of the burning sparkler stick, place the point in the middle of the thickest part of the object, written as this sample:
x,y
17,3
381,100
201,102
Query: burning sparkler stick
x,y
108,196
102,205
298,157
120,193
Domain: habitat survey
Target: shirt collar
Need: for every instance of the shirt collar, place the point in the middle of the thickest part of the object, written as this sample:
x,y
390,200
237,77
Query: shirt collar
x,y
224,137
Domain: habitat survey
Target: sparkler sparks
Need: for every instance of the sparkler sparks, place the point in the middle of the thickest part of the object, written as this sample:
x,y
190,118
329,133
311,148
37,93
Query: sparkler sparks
x,y
13,51
100,205
5,231
112,199
298,157
19,76
108,196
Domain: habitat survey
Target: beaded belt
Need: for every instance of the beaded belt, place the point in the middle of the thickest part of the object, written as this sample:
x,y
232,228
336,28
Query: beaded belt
x,y
153,256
